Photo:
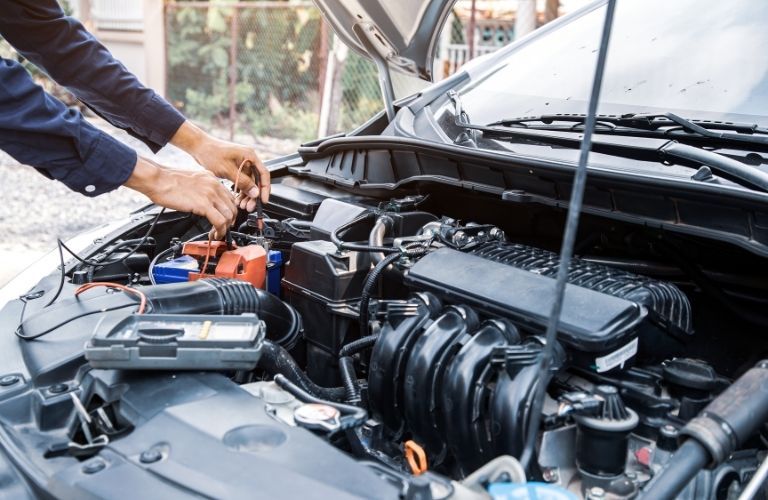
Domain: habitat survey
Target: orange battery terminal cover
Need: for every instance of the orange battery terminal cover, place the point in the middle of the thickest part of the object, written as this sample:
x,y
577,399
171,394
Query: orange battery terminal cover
x,y
248,263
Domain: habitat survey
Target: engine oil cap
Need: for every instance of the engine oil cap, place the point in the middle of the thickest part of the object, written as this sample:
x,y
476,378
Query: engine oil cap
x,y
317,416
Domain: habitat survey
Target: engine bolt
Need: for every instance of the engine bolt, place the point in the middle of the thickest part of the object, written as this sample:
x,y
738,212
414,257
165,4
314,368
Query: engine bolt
x,y
9,380
58,388
150,456
460,238
550,475
94,466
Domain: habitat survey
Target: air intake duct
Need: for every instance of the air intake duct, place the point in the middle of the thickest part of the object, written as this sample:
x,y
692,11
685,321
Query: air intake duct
x,y
227,297
206,296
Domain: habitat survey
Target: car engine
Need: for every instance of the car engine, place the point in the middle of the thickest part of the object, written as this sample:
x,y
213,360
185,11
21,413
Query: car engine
x,y
394,345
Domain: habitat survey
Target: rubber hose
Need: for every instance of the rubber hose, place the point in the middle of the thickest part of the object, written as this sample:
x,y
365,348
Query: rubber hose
x,y
370,281
227,297
358,345
343,245
349,380
689,459
336,239
276,361
354,416
376,238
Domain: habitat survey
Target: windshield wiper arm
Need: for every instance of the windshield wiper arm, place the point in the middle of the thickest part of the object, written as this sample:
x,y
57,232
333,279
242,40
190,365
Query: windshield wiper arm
x,y
654,124
655,150
732,168
650,150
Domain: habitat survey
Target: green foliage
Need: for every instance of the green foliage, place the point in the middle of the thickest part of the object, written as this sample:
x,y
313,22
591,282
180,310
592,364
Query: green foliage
x,y
283,123
276,62
278,69
362,97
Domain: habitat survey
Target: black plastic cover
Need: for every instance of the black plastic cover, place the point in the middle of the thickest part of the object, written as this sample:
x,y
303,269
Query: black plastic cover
x,y
590,321
665,302
324,287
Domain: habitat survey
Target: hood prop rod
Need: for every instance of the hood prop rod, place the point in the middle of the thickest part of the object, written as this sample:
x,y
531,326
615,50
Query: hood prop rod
x,y
365,32
569,239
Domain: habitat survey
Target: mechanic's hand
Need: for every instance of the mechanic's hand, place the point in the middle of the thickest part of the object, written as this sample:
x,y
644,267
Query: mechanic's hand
x,y
198,192
224,159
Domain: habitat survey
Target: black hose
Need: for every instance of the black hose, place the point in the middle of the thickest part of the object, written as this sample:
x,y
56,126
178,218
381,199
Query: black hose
x,y
370,282
228,297
349,380
731,419
358,345
343,245
352,415
125,257
275,360
689,459
347,367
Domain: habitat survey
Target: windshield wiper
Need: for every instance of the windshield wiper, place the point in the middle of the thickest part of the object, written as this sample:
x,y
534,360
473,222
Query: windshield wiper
x,y
648,125
650,149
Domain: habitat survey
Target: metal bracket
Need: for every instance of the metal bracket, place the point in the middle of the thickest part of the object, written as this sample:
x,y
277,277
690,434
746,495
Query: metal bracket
x,y
366,33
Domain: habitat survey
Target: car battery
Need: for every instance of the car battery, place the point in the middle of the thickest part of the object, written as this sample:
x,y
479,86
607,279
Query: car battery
x,y
247,263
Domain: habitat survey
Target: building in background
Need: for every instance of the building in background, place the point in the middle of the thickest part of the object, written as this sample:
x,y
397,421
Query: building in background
x,y
134,30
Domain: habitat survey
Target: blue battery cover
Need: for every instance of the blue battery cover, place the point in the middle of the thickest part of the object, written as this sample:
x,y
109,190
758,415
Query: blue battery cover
x,y
275,263
176,270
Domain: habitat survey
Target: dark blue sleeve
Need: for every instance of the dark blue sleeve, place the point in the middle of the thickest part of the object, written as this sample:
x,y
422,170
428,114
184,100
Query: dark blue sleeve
x,y
39,130
60,45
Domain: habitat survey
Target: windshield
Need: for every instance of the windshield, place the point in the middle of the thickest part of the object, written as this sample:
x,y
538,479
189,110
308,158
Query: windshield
x,y
702,60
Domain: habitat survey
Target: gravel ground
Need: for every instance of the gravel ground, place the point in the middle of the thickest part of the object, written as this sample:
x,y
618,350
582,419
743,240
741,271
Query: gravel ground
x,y
34,210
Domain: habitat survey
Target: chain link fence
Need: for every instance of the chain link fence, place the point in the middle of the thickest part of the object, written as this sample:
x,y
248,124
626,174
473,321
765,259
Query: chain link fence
x,y
259,71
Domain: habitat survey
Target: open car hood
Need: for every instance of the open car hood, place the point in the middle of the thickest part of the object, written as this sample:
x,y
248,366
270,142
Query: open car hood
x,y
403,32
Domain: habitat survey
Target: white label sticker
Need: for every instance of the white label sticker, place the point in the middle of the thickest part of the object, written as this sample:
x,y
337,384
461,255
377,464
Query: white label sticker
x,y
616,358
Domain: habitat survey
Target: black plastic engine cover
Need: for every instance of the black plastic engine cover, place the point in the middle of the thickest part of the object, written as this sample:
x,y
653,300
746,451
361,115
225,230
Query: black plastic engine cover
x,y
591,322
666,303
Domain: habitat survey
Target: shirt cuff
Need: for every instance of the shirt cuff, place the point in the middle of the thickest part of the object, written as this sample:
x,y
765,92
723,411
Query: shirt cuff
x,y
107,165
159,121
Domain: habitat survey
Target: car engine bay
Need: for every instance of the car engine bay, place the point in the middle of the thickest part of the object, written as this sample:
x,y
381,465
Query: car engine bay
x,y
387,346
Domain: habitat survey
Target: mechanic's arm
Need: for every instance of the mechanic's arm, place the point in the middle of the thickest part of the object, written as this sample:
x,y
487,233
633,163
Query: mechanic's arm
x,y
61,45
39,130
